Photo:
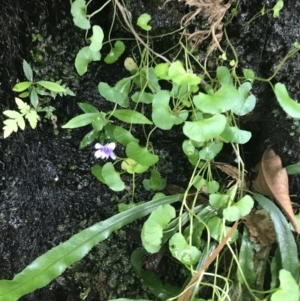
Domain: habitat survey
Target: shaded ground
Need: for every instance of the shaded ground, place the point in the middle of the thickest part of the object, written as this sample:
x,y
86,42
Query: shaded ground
x,y
47,191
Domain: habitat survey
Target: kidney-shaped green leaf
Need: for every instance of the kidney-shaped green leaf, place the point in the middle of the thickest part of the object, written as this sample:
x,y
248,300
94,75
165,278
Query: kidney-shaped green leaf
x,y
78,8
288,287
96,38
205,129
182,251
221,101
84,57
112,178
152,231
289,105
239,209
115,53
161,112
235,135
140,154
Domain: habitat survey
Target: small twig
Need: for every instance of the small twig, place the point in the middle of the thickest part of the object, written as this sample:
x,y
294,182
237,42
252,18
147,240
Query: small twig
x,y
125,16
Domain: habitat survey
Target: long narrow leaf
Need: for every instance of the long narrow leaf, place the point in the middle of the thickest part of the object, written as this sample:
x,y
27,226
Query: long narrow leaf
x,y
53,263
285,239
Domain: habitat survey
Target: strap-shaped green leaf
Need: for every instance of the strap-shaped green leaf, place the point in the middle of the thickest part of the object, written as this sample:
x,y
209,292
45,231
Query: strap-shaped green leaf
x,y
285,239
53,263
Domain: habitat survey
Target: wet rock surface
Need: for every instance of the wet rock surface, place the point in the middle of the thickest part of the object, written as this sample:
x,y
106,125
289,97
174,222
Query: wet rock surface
x,y
47,190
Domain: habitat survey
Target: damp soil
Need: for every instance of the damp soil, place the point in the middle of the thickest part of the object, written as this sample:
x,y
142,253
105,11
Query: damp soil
x,y
47,190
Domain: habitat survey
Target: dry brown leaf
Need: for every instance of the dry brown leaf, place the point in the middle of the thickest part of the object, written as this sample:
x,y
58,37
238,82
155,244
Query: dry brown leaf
x,y
260,227
272,180
232,171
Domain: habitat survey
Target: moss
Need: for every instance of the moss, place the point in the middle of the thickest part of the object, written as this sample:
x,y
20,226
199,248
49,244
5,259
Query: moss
x,y
107,272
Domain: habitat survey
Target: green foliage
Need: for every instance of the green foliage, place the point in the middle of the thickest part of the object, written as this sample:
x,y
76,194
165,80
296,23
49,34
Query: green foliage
x,y
277,8
239,209
78,11
293,169
54,262
285,238
205,129
84,57
291,107
143,22
115,53
171,95
288,287
96,38
246,273
131,117
152,231
183,251
31,112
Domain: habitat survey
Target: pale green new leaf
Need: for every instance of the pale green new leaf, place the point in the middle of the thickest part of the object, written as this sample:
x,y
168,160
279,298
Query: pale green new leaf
x,y
11,114
143,20
180,76
19,87
84,57
131,166
33,118
277,8
10,127
290,106
21,122
78,9
23,106
249,75
52,264
96,38
152,231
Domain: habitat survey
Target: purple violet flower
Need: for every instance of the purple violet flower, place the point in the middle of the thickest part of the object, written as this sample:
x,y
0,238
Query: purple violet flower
x,y
105,151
